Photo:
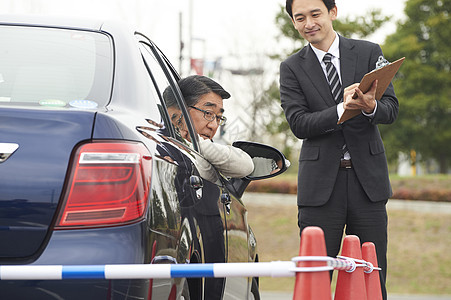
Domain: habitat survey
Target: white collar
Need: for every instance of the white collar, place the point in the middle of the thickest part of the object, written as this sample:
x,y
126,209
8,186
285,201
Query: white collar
x,y
334,49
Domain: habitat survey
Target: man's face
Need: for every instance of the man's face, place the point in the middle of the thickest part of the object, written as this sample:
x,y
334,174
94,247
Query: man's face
x,y
212,103
312,20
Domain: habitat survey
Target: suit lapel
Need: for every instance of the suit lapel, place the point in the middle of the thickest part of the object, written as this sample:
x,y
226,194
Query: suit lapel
x,y
348,61
313,69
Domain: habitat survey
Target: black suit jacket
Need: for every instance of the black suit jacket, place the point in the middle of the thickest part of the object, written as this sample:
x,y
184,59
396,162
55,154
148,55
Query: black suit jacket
x,y
312,115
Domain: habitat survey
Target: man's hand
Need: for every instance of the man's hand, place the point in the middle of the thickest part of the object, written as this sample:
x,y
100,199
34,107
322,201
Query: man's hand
x,y
365,102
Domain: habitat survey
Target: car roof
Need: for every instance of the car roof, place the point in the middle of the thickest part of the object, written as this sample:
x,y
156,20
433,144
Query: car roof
x,y
52,21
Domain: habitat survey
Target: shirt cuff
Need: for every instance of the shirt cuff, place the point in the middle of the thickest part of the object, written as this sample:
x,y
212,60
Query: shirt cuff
x,y
340,110
371,115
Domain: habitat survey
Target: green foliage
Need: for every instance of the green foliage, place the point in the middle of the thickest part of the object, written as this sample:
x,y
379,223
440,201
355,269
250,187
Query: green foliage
x,y
423,84
361,26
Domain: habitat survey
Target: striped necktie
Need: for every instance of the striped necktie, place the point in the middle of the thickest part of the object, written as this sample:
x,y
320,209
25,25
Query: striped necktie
x,y
335,87
332,77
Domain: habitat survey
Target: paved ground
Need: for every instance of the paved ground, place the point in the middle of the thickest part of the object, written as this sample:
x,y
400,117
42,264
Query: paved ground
x,y
423,206
289,296
414,205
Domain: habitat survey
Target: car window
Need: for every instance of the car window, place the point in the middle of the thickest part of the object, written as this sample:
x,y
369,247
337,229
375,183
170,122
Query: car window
x,y
167,95
54,67
177,114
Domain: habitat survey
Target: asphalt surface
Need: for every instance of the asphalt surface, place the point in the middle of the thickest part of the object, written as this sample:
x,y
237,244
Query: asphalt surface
x,y
267,199
290,200
288,296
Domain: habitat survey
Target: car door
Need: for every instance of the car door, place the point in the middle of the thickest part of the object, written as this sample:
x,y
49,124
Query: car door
x,y
202,199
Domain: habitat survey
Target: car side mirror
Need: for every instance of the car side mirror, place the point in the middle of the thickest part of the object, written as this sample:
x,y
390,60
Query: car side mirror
x,y
268,161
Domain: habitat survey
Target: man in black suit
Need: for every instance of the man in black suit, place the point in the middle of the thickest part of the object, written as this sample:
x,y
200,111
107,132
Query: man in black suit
x,y
343,176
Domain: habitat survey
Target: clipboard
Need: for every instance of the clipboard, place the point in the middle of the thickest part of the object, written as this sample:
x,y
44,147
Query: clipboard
x,y
384,76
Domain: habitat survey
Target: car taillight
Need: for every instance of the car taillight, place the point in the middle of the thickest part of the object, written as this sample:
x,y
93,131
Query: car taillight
x,y
108,185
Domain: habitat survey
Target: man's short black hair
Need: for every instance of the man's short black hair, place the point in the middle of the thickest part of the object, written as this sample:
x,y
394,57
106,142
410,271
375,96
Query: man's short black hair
x,y
289,6
192,88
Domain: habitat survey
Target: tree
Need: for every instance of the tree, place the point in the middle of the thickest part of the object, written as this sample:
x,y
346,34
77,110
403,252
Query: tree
x,y
278,126
355,27
423,84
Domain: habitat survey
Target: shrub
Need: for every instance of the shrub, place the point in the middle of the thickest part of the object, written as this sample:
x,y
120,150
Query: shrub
x,y
415,188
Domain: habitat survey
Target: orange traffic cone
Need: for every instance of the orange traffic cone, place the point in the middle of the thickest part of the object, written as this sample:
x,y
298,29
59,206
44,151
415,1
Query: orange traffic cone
x,y
351,285
372,281
312,285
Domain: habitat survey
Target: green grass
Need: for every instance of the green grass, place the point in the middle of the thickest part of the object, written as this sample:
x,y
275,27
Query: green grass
x,y
419,257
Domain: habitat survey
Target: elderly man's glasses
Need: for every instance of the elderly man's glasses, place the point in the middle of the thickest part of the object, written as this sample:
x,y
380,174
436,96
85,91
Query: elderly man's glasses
x,y
211,116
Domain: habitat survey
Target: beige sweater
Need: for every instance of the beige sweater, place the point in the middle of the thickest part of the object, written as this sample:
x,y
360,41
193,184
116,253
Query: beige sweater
x,y
230,161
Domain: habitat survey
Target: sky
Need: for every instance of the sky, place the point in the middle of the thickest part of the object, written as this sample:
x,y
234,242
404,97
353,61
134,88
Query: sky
x,y
219,28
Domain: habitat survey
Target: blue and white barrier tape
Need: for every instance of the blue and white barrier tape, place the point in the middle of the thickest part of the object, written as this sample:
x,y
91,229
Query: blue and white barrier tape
x,y
218,270
139,271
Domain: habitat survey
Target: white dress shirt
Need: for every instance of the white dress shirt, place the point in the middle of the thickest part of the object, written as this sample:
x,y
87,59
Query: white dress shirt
x,y
334,49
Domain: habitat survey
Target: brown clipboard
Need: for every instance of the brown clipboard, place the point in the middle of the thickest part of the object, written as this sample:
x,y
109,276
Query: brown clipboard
x,y
384,76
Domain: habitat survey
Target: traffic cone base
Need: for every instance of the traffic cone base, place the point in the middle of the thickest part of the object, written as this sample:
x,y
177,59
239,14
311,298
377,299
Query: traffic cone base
x,y
312,285
351,285
372,281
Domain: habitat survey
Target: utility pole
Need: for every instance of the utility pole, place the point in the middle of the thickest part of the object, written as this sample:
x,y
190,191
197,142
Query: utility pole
x,y
181,43
190,33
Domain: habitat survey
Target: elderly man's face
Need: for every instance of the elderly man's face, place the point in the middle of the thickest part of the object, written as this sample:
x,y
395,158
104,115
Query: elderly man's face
x,y
213,104
209,106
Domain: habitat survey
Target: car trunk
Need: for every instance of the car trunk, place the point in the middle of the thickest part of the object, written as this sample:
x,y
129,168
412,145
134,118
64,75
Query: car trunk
x,y
32,178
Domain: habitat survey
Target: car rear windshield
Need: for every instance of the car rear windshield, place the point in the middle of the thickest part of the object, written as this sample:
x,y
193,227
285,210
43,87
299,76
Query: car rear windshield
x,y
54,67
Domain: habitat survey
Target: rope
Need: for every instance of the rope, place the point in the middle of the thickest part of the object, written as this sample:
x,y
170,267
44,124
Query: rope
x,y
216,270
341,263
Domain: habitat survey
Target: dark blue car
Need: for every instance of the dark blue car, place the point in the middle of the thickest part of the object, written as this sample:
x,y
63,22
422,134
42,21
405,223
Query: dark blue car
x,y
92,171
